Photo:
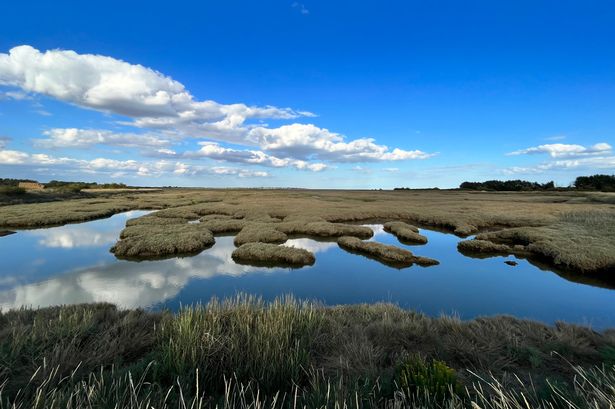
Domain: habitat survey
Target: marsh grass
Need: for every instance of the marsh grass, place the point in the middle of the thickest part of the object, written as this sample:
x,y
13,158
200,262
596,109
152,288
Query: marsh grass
x,y
153,240
581,241
384,253
272,254
539,219
406,233
247,353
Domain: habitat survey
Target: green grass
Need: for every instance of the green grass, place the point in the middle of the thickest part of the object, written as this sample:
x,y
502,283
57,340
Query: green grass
x,y
246,353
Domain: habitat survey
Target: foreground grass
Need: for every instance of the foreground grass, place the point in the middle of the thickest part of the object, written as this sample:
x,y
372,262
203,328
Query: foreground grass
x,y
250,354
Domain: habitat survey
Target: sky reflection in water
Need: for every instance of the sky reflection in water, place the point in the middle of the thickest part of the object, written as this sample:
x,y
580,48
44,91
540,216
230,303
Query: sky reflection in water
x,y
72,264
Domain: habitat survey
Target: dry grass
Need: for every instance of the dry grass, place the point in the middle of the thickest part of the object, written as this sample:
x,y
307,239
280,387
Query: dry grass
x,y
259,232
154,241
485,247
581,241
243,352
405,232
272,254
386,254
539,217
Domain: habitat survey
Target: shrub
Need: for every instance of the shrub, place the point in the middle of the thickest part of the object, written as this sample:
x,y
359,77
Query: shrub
x,y
417,375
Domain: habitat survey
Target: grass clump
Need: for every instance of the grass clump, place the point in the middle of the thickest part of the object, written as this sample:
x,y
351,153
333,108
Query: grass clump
x,y
416,375
268,343
259,232
478,247
317,227
153,241
272,255
405,232
390,255
221,226
579,241
245,353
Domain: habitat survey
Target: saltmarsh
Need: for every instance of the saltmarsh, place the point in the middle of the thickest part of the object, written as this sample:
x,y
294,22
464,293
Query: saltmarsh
x,y
243,352
570,230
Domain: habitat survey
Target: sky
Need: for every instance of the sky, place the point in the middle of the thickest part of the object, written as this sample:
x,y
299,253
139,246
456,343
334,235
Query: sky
x,y
314,94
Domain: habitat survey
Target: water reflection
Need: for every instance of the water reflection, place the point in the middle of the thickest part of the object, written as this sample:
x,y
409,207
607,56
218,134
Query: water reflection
x,y
128,284
72,264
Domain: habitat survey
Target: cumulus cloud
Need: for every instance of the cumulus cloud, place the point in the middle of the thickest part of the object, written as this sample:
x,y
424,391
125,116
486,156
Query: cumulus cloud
x,y
589,163
119,167
304,141
111,85
566,157
215,151
81,138
163,106
561,150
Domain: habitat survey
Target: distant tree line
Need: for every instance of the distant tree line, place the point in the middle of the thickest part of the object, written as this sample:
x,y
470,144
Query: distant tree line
x,y
604,183
77,186
507,185
14,182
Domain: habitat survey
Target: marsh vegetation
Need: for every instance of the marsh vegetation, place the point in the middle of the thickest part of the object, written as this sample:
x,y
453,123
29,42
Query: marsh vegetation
x,y
570,230
229,354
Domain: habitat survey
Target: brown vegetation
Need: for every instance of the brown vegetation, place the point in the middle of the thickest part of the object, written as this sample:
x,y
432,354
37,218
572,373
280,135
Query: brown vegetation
x,y
81,354
538,220
405,232
153,241
390,255
272,254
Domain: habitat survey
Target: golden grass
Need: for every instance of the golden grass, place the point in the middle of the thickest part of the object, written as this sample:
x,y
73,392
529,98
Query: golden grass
x,y
154,241
537,217
272,254
405,232
259,232
386,254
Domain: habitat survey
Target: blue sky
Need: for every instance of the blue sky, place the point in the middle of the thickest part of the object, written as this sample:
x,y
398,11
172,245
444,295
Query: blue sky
x,y
307,94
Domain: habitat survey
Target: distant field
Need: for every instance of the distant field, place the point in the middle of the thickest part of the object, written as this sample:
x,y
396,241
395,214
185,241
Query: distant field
x,y
569,230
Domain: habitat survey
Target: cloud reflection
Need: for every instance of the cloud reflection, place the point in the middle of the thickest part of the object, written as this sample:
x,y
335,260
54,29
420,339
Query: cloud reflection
x,y
129,284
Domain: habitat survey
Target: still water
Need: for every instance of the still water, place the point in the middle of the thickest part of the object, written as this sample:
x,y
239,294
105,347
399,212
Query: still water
x,y
72,264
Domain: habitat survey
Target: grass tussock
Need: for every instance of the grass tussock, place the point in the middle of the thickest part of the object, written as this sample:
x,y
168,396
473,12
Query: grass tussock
x,y
581,241
482,247
222,226
272,254
243,352
152,241
258,232
405,232
389,255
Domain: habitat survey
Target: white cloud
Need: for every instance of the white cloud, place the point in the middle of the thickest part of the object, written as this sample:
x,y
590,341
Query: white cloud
x,y
151,100
111,85
589,163
119,167
305,141
214,151
561,150
81,138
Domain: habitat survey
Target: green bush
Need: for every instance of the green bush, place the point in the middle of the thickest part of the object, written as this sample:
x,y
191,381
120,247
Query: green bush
x,y
415,375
